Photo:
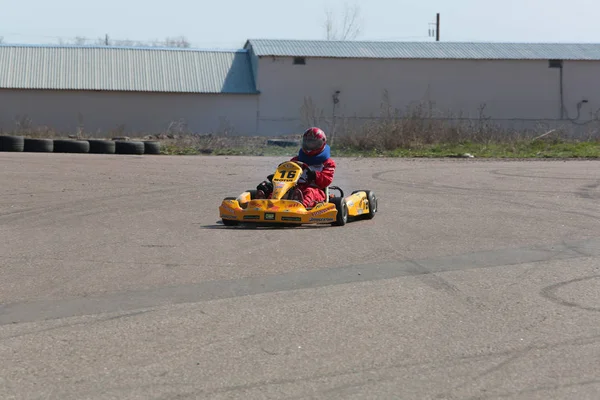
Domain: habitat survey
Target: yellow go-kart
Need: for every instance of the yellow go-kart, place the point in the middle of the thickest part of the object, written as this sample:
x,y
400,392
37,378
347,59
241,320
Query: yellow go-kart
x,y
280,210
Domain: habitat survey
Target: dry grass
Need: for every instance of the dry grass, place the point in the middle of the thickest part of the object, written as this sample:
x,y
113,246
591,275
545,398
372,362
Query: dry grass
x,y
422,126
219,145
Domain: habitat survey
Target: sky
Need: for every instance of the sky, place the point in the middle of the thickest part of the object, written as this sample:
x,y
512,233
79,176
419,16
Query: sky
x,y
227,24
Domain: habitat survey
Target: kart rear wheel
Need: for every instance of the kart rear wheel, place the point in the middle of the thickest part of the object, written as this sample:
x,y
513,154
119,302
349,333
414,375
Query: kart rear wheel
x,y
342,211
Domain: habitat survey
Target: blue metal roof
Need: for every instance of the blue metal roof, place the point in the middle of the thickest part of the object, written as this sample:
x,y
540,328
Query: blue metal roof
x,y
125,69
424,50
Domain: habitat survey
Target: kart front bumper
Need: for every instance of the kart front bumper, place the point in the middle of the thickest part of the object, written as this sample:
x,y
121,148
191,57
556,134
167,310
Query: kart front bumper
x,y
277,211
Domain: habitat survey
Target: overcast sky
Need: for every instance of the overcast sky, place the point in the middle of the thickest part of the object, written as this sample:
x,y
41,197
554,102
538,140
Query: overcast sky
x,y
228,23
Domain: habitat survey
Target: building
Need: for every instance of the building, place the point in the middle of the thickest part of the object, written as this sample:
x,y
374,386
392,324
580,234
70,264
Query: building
x,y
277,87
111,90
515,85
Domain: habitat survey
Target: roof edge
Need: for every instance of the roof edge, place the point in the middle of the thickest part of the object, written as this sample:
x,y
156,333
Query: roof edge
x,y
139,48
441,43
158,91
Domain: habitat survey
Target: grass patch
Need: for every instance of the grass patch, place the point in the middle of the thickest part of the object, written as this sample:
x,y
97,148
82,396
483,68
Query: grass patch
x,y
539,148
223,146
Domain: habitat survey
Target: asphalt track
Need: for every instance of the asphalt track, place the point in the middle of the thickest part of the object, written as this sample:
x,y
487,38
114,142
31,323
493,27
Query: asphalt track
x,y
476,280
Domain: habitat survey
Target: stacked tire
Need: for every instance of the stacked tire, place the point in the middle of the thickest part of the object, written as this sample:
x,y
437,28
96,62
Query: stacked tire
x,y
126,147
71,146
93,146
38,145
98,146
151,147
12,143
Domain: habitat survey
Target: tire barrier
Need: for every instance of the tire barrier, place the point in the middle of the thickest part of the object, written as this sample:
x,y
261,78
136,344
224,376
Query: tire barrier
x,y
98,146
38,145
151,147
123,147
12,143
93,146
71,146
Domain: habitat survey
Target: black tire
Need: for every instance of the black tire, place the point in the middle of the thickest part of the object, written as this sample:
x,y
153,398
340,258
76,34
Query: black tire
x,y
342,211
230,222
12,143
372,204
151,147
99,146
38,145
123,147
71,146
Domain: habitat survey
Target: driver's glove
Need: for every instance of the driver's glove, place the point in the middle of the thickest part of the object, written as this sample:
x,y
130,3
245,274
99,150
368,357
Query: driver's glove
x,y
310,175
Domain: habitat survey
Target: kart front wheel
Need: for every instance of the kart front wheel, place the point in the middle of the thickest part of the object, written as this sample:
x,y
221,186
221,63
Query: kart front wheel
x,y
372,204
342,211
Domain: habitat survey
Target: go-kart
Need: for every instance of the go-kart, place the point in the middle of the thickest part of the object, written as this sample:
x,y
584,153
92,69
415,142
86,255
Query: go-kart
x,y
280,209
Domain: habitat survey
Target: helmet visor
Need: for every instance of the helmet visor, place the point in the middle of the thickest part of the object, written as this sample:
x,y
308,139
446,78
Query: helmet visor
x,y
310,144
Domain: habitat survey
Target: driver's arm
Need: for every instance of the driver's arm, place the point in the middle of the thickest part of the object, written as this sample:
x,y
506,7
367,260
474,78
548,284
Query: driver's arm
x,y
324,178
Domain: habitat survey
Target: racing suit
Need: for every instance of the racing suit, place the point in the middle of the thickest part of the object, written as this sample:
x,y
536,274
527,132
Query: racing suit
x,y
313,189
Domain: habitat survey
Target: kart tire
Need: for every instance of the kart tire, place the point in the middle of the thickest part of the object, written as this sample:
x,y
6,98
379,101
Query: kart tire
x,y
12,143
372,204
38,145
342,211
230,222
100,146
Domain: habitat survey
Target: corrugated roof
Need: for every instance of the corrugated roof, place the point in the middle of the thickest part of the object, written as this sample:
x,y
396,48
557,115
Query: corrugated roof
x,y
125,69
425,50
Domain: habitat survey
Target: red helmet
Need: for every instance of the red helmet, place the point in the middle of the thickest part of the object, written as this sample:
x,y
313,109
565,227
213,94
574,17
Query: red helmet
x,y
313,141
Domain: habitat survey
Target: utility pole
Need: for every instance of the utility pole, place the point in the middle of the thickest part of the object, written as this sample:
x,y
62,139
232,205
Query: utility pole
x,y
106,40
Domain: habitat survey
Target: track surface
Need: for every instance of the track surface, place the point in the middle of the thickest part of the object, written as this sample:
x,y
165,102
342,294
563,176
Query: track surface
x,y
476,280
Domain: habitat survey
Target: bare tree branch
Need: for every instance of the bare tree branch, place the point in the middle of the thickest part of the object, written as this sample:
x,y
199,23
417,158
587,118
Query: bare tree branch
x,y
350,27
170,42
330,33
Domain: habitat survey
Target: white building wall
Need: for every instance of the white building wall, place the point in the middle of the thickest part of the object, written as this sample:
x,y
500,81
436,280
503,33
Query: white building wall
x,y
139,113
526,91
581,81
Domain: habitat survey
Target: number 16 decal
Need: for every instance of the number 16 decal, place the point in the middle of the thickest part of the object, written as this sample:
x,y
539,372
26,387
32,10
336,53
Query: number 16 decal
x,y
290,175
